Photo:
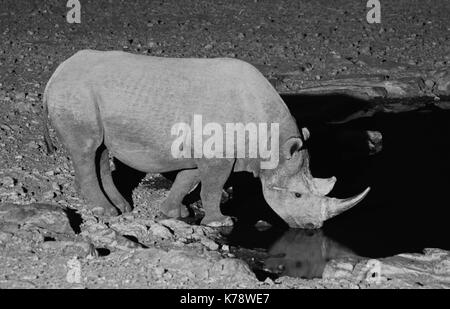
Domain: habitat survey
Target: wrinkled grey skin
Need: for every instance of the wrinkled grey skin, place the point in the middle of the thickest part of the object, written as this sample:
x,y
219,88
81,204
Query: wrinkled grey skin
x,y
128,103
303,254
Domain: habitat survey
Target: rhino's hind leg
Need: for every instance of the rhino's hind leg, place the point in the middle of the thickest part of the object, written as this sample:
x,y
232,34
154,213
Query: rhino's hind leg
x,y
185,181
82,141
108,184
213,176
86,177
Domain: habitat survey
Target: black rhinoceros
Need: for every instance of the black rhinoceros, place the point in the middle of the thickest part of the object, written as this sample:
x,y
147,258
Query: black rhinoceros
x,y
127,104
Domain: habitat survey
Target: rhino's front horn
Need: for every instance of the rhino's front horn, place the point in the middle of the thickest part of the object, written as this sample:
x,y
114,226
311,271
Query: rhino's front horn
x,y
336,206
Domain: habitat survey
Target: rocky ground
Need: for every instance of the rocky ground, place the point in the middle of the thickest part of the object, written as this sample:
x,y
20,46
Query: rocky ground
x,y
292,42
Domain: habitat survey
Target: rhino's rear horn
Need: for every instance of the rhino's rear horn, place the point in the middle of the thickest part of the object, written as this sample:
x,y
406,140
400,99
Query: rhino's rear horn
x,y
323,186
337,206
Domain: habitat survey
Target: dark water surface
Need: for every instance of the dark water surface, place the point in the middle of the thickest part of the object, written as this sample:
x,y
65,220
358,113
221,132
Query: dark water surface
x,y
407,209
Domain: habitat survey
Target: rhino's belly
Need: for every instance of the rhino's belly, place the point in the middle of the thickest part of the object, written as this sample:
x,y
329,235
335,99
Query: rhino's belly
x,y
142,149
147,160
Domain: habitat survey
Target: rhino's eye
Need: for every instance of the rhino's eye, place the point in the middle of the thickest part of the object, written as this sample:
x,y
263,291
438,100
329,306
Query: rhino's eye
x,y
297,195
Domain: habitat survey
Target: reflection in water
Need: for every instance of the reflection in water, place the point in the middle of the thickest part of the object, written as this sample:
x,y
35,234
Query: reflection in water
x,y
407,208
303,254
293,252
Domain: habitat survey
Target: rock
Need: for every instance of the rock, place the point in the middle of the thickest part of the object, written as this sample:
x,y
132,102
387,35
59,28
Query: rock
x,y
429,83
375,141
49,195
70,248
307,67
367,50
106,237
179,228
7,182
20,95
56,186
5,127
44,216
190,264
159,271
4,237
431,270
23,107
442,79
269,281
131,228
210,244
33,145
161,231
232,269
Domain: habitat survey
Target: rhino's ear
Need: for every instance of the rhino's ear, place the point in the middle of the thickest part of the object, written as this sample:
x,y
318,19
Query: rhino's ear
x,y
291,146
305,133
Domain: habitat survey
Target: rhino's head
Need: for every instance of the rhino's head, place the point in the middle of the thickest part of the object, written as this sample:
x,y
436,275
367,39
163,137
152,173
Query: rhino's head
x,y
303,254
297,197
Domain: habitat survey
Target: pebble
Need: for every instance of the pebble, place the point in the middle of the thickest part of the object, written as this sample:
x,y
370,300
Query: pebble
x,y
210,244
429,83
160,231
33,145
168,275
5,127
366,50
268,281
20,95
159,271
49,195
56,186
307,67
7,181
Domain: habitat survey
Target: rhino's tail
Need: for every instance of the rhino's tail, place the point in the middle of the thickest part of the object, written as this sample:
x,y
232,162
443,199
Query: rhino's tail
x,y
45,120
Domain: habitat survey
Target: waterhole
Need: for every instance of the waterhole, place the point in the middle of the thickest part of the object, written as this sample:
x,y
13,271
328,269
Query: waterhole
x,y
407,209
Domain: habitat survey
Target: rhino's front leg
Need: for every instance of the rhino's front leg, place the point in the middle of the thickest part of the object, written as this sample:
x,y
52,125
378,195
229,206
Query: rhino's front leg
x,y
213,176
185,181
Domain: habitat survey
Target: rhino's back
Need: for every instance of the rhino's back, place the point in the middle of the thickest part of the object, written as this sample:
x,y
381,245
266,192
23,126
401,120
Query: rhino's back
x,y
220,88
139,98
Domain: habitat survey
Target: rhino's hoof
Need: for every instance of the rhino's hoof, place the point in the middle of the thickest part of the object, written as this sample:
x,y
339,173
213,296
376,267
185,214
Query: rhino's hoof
x,y
227,221
178,212
124,208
